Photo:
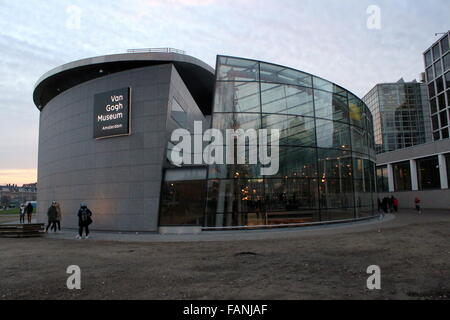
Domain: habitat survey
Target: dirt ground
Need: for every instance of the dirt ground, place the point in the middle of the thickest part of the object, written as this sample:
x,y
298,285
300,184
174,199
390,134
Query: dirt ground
x,y
412,251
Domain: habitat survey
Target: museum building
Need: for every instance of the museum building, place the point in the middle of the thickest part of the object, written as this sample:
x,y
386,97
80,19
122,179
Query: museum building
x,y
105,139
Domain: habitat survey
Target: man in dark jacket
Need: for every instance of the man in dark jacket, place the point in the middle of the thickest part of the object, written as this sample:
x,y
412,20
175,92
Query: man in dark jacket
x,y
52,214
84,220
29,210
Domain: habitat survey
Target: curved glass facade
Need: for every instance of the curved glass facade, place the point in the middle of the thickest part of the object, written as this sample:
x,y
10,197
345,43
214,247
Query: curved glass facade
x,y
326,148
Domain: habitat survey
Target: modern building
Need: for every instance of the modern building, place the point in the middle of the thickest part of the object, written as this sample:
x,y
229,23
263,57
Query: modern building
x,y
401,115
106,126
437,70
424,170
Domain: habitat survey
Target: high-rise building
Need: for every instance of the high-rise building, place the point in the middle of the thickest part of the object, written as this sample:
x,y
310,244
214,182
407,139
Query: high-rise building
x,y
401,115
437,70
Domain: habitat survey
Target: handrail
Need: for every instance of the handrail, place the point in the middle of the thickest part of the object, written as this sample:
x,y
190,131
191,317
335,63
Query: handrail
x,y
163,50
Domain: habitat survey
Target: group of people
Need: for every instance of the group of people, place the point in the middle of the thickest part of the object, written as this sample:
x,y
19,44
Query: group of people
x,y
388,205
25,209
54,215
391,205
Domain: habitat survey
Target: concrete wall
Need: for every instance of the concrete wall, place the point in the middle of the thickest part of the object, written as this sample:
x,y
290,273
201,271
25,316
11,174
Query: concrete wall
x,y
119,178
430,199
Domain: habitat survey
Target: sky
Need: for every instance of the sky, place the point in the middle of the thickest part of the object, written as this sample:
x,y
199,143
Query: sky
x,y
354,43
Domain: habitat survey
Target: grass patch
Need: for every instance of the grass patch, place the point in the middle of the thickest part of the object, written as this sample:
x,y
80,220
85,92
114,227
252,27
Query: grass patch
x,y
10,211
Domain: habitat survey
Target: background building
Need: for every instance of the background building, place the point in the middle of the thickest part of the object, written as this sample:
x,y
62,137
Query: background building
x,y
327,156
401,115
424,170
437,70
13,195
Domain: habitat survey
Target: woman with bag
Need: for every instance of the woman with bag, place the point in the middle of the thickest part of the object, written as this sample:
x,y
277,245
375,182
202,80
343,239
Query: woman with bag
x,y
84,220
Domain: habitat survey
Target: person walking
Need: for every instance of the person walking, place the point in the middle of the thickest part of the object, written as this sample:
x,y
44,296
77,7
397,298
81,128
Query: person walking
x,y
379,205
395,203
417,203
52,214
58,217
29,210
84,220
22,213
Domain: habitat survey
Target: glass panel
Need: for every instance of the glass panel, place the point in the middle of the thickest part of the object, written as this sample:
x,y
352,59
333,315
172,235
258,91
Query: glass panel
x,y
235,121
428,173
331,106
433,105
402,176
359,140
294,130
237,97
441,101
436,52
443,117
235,196
178,114
234,69
286,99
322,84
439,85
444,44
291,195
356,110
428,59
336,193
296,162
334,164
447,80
435,122
437,68
431,90
430,75
279,74
332,134
182,203
446,62
444,133
382,179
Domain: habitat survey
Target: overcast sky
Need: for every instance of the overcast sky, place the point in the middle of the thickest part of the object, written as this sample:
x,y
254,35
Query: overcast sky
x,y
328,38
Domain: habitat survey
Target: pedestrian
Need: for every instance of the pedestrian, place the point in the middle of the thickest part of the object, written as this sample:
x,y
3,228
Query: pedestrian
x,y
391,204
417,203
84,220
22,213
384,205
379,205
29,210
395,203
52,214
58,216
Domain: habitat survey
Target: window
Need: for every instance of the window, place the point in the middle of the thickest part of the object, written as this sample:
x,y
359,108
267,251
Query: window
x,y
444,133
446,62
428,58
430,75
444,44
439,85
436,52
237,97
431,90
437,68
232,69
441,100
382,179
428,173
447,80
433,105
447,161
182,199
178,114
402,176
443,116
435,122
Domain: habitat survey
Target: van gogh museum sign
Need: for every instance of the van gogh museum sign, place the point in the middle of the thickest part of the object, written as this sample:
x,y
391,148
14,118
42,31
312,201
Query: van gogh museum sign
x,y
112,113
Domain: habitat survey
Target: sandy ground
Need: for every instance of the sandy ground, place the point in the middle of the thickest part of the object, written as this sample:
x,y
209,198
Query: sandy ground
x,y
412,251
